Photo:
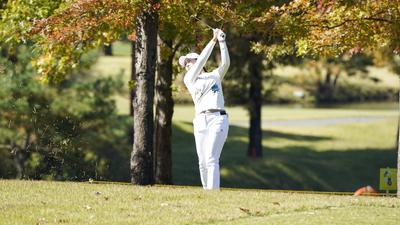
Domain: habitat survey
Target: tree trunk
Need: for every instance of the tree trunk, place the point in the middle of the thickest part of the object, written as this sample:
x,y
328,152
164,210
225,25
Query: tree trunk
x,y
145,61
335,80
163,118
325,89
107,49
133,78
18,162
255,102
21,154
132,90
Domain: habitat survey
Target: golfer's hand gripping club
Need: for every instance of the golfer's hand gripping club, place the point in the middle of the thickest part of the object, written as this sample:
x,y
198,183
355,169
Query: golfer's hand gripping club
x,y
221,36
218,35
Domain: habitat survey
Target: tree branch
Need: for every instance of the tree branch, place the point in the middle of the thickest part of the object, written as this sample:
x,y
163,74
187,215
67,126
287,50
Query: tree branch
x,y
351,20
379,19
177,46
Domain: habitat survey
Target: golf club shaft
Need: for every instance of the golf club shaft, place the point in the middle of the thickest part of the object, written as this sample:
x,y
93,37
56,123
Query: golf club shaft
x,y
204,23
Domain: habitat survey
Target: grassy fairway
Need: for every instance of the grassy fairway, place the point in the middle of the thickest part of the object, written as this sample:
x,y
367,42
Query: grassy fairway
x,y
28,202
340,157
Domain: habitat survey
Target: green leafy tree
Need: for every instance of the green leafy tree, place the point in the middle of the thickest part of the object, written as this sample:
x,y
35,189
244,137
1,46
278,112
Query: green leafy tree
x,y
79,26
328,28
247,62
60,132
329,70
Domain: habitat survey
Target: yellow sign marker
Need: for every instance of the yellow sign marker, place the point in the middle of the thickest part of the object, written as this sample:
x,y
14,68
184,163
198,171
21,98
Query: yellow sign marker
x,y
388,179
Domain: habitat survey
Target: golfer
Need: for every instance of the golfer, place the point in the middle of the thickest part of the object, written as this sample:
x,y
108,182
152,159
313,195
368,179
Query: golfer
x,y
211,121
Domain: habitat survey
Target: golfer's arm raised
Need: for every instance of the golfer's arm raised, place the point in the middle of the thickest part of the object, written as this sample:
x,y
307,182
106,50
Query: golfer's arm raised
x,y
195,70
225,60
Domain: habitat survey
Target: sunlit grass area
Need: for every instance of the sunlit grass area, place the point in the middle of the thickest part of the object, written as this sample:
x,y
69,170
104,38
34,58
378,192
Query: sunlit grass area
x,y
40,202
336,157
113,65
384,74
122,48
369,135
288,112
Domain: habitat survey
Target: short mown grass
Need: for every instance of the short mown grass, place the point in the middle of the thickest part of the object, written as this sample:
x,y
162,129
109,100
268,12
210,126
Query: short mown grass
x,y
338,157
41,202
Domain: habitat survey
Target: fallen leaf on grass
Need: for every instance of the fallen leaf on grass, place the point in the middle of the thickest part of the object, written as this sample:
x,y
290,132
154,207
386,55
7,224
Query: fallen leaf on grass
x,y
248,212
62,221
258,213
245,210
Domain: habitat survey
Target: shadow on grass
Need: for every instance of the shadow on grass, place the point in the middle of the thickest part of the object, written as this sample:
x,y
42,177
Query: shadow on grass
x,y
295,167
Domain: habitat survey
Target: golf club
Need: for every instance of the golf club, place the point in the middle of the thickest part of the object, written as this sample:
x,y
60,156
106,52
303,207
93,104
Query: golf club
x,y
222,20
204,23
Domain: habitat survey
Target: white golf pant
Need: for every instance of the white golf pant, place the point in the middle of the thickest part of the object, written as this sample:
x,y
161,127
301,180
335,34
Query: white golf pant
x,y
210,132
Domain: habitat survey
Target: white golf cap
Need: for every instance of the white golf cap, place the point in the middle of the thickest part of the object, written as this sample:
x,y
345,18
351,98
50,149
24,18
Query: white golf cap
x,y
191,55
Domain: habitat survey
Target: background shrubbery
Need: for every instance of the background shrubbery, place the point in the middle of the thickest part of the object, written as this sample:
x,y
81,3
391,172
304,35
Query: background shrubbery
x,y
68,131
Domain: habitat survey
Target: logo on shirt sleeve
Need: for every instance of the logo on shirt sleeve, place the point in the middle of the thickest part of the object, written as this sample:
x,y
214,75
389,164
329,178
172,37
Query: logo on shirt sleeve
x,y
215,88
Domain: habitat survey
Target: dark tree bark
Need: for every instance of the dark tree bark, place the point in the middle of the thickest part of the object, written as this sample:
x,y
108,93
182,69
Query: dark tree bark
x,y
325,89
132,90
133,78
164,111
108,50
255,102
145,61
21,154
19,162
